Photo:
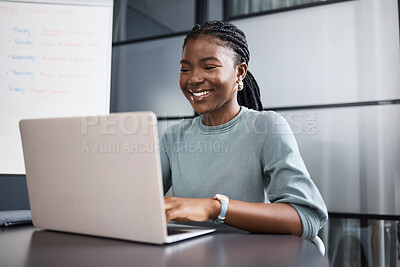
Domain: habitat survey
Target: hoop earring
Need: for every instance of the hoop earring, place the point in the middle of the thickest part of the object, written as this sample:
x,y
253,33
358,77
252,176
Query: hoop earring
x,y
240,86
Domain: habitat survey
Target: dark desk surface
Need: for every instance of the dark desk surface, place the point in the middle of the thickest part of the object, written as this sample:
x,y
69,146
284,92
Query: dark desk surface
x,y
29,246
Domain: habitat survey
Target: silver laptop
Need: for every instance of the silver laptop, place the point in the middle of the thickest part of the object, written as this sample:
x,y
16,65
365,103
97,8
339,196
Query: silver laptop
x,y
99,176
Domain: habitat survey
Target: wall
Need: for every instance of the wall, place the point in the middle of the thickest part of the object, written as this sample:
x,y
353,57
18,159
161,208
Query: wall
x,y
337,53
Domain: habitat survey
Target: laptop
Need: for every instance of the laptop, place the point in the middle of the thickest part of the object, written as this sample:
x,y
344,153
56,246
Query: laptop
x,y
99,175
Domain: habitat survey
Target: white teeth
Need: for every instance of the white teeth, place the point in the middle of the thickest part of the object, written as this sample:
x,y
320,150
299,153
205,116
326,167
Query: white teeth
x,y
201,93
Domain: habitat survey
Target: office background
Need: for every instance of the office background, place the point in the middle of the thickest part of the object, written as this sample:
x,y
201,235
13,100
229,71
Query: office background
x,y
330,67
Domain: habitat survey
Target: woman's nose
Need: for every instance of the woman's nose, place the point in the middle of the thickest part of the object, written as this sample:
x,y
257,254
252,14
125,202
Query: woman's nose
x,y
196,77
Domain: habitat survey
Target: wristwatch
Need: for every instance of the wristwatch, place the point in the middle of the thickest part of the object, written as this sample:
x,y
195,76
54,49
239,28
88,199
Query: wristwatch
x,y
224,208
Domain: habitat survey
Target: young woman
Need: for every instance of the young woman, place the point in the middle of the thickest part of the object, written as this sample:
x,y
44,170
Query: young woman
x,y
234,164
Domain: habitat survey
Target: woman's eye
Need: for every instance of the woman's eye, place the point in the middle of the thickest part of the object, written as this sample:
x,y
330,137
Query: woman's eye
x,y
184,70
209,67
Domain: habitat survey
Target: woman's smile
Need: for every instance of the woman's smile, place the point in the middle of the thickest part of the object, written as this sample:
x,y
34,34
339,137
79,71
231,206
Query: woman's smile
x,y
199,95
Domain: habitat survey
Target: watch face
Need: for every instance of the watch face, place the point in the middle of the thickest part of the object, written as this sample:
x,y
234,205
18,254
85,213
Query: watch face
x,y
222,198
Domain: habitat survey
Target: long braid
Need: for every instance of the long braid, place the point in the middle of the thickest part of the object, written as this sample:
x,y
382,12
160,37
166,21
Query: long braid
x,y
234,38
250,95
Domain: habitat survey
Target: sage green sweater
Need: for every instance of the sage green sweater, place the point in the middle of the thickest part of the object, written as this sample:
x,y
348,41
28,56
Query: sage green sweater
x,y
254,158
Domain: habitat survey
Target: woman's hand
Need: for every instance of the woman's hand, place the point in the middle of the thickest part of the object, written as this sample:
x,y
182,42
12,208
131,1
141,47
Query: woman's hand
x,y
191,209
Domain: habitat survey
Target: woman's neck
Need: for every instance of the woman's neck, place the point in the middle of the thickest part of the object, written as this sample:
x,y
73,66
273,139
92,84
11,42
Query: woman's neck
x,y
220,116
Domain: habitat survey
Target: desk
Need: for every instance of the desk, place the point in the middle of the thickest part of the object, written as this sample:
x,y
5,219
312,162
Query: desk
x,y
29,246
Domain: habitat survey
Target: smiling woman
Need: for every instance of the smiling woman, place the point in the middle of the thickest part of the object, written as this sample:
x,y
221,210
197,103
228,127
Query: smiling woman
x,y
259,183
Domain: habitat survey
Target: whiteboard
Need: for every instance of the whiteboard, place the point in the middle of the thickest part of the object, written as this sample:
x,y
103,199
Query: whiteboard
x,y
55,61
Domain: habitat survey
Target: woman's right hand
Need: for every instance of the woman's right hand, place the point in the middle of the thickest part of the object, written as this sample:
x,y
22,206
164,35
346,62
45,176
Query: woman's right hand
x,y
191,209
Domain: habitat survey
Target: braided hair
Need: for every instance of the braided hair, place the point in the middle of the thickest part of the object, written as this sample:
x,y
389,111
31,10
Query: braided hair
x,y
228,35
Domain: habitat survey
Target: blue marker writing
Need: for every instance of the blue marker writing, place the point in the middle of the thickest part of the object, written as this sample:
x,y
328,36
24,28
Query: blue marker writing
x,y
21,30
23,73
13,88
23,42
23,57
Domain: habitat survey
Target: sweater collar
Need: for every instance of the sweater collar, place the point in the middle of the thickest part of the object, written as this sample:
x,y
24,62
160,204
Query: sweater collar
x,y
223,127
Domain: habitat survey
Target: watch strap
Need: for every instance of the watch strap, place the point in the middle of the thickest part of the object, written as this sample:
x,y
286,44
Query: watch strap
x,y
224,200
221,216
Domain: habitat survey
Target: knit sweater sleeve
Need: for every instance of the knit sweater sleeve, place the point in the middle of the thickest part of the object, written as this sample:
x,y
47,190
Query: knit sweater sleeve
x,y
290,181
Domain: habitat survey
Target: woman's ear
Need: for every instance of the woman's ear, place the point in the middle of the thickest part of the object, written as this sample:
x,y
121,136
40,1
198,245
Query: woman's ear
x,y
241,71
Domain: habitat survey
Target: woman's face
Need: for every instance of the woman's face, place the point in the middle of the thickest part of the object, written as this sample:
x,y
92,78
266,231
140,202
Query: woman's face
x,y
208,75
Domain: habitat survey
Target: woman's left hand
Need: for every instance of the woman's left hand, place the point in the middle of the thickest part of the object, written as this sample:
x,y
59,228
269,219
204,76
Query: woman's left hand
x,y
191,209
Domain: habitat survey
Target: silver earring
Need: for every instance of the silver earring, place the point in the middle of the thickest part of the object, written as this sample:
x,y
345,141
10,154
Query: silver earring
x,y
240,86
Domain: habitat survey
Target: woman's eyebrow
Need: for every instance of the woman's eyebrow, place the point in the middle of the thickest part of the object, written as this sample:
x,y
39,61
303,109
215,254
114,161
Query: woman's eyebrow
x,y
183,61
209,58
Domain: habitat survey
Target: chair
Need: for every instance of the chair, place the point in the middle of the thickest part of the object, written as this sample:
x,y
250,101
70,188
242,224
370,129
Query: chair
x,y
318,242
